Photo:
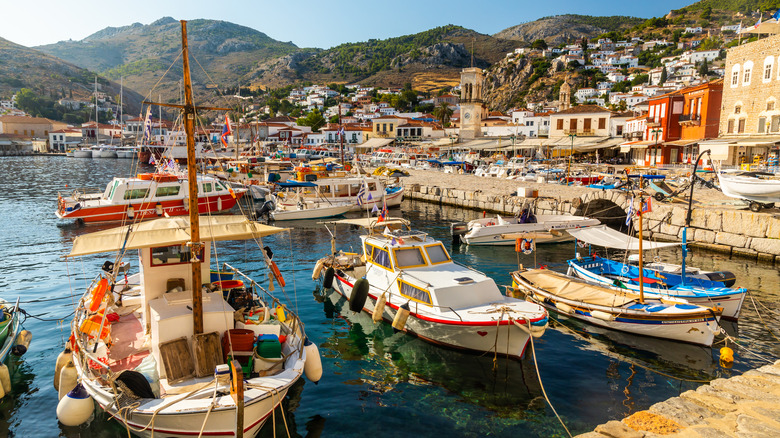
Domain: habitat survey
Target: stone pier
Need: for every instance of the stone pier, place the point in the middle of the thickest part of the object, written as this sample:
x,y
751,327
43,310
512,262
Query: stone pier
x,y
721,228
741,406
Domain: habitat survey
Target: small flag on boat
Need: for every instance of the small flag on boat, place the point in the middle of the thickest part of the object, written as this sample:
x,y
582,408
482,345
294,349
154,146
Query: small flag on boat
x,y
226,130
151,159
375,209
383,213
362,194
647,206
630,211
341,132
148,125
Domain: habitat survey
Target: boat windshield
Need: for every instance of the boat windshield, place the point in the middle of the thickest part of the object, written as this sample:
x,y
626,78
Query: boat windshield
x,y
437,253
109,193
408,257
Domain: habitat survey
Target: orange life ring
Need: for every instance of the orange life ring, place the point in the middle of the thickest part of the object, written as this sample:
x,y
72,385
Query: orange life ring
x,y
98,292
277,274
519,245
688,174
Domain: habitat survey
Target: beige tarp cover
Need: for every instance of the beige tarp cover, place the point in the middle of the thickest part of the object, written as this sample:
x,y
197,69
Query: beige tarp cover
x,y
575,289
170,231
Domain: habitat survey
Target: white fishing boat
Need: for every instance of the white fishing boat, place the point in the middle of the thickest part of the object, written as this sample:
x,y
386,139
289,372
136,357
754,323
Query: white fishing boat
x,y
762,191
82,153
625,311
499,230
304,208
360,192
165,351
407,277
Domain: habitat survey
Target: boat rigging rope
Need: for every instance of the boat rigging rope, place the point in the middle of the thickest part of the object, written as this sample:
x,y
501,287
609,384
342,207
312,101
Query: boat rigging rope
x,y
536,365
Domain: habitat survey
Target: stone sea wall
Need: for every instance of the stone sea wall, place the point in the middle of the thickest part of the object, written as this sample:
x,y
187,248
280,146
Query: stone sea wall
x,y
739,233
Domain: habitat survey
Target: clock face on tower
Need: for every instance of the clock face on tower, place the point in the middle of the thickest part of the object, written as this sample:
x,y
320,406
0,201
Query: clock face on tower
x,y
467,116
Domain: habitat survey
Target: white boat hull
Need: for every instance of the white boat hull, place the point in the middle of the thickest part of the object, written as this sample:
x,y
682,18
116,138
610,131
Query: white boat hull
x,y
489,231
752,189
80,153
310,213
477,337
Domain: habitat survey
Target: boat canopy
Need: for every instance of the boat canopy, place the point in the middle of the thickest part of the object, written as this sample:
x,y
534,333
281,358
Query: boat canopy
x,y
577,290
169,231
294,184
601,235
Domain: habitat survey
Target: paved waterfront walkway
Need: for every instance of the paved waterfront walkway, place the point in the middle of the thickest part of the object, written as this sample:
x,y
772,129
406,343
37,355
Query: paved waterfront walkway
x,y
741,406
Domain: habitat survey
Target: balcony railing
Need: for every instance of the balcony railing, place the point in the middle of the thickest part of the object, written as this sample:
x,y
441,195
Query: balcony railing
x,y
579,132
690,119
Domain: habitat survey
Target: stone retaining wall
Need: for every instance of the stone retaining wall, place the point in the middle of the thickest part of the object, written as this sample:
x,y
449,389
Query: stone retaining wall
x,y
736,232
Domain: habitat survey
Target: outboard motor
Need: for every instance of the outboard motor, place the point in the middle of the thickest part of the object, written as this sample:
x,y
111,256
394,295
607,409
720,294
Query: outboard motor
x,y
458,229
266,209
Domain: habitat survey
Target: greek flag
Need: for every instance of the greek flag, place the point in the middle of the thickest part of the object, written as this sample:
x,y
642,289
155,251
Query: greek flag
x,y
148,125
362,193
630,211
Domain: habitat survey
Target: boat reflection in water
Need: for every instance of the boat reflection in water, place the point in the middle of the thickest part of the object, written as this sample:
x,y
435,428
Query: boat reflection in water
x,y
393,359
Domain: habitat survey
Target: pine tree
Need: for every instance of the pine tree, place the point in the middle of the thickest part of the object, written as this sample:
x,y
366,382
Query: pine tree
x,y
704,68
663,76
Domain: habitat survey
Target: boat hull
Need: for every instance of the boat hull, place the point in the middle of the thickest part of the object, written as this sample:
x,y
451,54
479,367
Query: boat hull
x,y
730,300
310,213
694,327
550,229
148,210
461,335
752,189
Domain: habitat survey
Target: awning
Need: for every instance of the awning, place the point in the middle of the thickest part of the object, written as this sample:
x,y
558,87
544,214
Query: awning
x,y
369,222
626,147
478,145
642,144
770,26
374,143
169,231
601,235
608,143
681,142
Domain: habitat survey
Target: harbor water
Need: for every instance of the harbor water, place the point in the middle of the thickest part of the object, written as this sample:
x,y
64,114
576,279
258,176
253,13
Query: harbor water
x,y
375,382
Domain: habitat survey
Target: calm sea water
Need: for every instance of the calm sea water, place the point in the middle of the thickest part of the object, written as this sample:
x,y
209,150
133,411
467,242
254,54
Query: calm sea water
x,y
375,382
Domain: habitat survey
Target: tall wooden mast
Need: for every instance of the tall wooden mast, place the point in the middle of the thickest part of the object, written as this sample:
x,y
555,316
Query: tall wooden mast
x,y
192,177
189,111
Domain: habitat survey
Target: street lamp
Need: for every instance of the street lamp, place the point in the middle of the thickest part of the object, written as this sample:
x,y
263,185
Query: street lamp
x,y
571,154
655,146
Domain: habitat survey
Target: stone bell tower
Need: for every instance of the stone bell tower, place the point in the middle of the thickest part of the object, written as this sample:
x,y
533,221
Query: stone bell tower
x,y
564,96
472,109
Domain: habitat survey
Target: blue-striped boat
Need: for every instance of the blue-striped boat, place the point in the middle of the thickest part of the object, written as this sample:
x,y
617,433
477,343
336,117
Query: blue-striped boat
x,y
703,289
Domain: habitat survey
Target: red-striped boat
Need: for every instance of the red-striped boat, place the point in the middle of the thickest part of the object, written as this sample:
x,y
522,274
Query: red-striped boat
x,y
147,196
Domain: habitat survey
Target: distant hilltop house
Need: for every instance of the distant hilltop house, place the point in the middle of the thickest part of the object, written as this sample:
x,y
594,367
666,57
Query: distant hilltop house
x,y
731,27
693,30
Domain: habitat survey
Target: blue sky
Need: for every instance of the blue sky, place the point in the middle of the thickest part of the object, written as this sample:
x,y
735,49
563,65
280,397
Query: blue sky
x,y
306,23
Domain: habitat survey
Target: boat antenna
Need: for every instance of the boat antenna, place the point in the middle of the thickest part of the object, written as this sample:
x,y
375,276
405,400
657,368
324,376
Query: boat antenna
x,y
189,111
688,216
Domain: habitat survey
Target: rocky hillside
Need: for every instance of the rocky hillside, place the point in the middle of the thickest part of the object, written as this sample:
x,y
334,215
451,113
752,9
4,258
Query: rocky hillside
x,y
51,77
441,51
142,53
562,29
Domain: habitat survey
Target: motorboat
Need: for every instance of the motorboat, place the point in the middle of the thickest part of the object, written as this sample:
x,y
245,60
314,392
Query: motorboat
x,y
499,230
168,352
666,280
362,192
625,311
406,275
82,153
761,190
306,208
147,196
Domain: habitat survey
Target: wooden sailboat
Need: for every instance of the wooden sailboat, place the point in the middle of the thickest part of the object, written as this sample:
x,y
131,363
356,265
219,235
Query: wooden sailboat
x,y
167,352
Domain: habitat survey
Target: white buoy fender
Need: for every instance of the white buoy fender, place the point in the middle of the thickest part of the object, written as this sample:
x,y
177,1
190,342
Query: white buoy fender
x,y
62,359
601,315
5,378
76,407
564,308
379,308
317,269
68,379
313,365
22,343
401,315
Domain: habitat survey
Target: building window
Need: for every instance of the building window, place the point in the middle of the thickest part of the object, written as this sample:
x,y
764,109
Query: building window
x,y
741,126
770,105
767,72
735,75
737,109
730,128
559,124
761,124
602,123
775,126
746,73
